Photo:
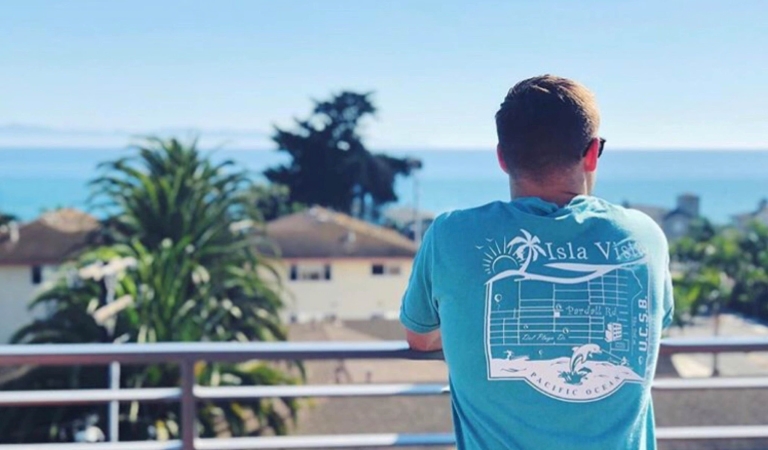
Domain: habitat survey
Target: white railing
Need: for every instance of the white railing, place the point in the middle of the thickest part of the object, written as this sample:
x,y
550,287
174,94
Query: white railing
x,y
188,394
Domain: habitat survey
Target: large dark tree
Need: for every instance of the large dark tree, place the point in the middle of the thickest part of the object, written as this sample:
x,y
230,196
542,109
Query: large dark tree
x,y
330,165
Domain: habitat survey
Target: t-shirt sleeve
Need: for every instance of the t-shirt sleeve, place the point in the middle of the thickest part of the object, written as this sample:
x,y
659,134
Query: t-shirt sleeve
x,y
419,312
669,297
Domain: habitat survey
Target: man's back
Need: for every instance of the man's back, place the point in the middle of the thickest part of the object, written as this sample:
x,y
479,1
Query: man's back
x,y
550,320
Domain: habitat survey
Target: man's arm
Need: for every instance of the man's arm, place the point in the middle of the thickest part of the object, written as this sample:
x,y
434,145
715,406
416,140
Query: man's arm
x,y
419,310
424,342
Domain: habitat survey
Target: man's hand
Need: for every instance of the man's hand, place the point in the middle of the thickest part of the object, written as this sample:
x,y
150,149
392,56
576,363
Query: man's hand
x,y
428,342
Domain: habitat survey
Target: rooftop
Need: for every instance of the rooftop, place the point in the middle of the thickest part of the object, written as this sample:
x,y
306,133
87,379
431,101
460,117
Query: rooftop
x,y
322,233
50,239
657,213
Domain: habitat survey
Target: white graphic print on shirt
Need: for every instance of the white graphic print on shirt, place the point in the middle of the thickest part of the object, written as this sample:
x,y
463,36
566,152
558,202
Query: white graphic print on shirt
x,y
571,320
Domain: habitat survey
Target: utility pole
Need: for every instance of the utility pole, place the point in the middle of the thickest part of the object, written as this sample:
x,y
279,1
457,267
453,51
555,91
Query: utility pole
x,y
416,165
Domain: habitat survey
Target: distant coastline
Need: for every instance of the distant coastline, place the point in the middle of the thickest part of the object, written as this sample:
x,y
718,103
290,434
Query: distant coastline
x,y
239,147
729,182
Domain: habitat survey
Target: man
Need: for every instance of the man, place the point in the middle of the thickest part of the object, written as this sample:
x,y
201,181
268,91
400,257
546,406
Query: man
x,y
549,307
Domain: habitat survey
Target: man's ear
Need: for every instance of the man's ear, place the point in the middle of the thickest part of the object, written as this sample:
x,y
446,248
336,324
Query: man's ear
x,y
590,158
500,157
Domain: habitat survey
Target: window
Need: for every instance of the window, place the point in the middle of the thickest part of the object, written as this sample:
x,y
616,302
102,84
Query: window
x,y
385,269
310,272
37,275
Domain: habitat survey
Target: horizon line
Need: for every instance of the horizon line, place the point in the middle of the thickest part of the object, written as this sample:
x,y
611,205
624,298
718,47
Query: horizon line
x,y
393,148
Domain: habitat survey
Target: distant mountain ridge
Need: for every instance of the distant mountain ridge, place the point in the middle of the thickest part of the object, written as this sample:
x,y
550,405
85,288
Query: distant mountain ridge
x,y
33,135
22,128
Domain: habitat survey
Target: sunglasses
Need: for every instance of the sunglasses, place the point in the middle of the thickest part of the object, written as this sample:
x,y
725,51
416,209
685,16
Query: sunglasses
x,y
600,151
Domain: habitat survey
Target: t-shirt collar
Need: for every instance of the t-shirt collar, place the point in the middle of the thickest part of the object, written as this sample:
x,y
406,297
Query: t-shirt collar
x,y
539,207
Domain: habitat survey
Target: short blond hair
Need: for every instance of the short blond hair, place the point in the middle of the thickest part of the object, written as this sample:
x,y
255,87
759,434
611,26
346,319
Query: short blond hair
x,y
545,124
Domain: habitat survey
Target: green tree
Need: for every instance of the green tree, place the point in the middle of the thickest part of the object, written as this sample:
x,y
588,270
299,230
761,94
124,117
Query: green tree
x,y
6,218
272,201
750,291
705,261
709,263
330,165
739,257
185,230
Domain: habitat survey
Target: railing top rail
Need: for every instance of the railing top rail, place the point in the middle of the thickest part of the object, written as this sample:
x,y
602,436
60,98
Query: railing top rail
x,y
164,352
174,394
714,344
69,354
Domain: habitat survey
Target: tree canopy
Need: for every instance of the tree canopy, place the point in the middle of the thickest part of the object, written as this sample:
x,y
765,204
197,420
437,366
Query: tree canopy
x,y
330,165
6,218
721,267
272,201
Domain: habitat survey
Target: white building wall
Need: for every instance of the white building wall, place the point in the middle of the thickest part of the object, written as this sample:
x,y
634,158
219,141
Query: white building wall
x,y
353,292
16,291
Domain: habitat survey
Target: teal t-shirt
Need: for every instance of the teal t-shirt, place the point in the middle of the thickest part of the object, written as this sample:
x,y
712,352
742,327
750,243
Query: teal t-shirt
x,y
550,318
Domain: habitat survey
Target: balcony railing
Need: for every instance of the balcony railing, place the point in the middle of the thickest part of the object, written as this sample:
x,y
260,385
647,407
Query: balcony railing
x,y
188,394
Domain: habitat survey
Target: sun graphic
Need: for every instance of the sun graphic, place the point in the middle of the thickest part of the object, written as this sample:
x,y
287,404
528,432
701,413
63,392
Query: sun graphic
x,y
498,257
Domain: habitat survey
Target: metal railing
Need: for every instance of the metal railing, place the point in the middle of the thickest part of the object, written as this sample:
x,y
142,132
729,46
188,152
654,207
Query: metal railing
x,y
188,394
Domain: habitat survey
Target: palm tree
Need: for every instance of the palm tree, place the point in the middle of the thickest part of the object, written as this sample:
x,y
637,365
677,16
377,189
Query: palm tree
x,y
528,248
190,229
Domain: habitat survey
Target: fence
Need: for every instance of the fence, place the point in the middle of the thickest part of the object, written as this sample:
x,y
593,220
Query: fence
x,y
188,394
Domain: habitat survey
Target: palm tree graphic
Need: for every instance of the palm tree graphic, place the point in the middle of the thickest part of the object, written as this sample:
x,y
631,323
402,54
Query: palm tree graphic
x,y
528,248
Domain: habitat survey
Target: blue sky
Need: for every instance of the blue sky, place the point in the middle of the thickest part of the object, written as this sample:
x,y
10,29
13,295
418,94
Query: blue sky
x,y
682,73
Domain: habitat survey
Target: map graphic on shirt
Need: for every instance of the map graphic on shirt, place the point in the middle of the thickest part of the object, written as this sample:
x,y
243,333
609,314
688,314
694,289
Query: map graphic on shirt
x,y
570,319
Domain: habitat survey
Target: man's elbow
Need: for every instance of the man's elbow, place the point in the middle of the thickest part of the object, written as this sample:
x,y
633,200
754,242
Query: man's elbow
x,y
427,342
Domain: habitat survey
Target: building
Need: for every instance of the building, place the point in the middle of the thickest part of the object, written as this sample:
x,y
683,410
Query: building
x,y
408,221
675,222
760,215
335,266
29,255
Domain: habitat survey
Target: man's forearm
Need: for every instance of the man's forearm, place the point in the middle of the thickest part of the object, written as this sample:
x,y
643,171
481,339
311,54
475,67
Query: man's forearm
x,y
427,342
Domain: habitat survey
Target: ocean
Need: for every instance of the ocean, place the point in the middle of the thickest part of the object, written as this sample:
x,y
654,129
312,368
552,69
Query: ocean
x,y
729,182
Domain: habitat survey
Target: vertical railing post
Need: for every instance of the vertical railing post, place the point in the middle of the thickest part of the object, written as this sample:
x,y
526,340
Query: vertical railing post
x,y
188,405
114,405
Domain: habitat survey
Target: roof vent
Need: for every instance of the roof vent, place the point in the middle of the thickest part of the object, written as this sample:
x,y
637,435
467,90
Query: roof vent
x,y
319,214
348,241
